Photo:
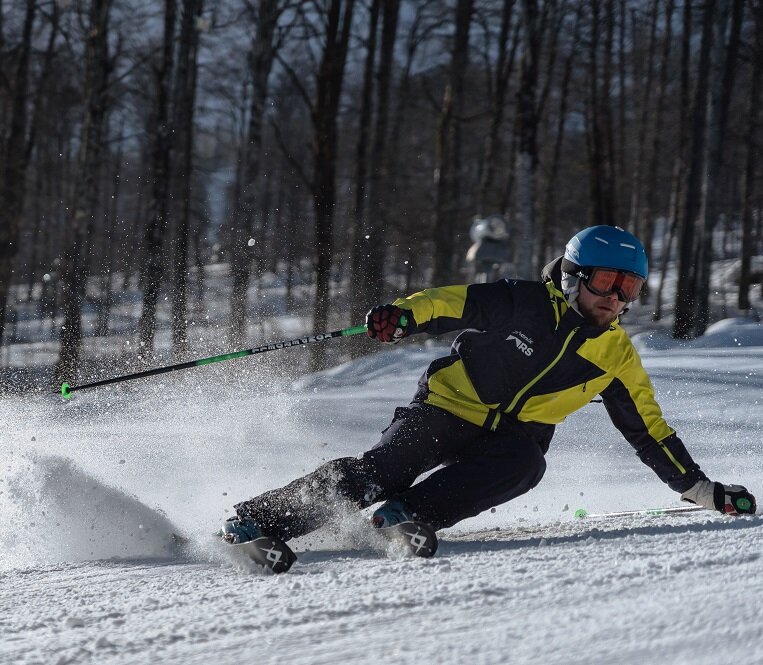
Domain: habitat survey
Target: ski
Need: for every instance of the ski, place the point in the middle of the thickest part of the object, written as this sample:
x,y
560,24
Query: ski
x,y
582,513
418,538
270,553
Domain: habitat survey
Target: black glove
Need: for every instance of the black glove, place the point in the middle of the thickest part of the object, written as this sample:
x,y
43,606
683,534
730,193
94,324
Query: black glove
x,y
726,499
388,323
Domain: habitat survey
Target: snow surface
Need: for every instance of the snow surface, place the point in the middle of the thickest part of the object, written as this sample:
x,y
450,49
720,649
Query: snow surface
x,y
93,488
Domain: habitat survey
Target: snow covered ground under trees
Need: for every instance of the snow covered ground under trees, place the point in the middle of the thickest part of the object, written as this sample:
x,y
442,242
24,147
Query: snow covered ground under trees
x,y
93,488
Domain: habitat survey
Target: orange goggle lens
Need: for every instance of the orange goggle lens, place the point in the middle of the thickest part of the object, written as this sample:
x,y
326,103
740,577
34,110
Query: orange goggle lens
x,y
605,281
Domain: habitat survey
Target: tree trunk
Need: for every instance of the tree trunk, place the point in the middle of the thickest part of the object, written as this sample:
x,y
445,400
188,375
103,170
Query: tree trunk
x,y
526,130
602,205
378,192
649,210
634,218
13,185
503,68
363,244
112,213
325,110
262,55
679,163
447,169
749,192
152,268
724,72
613,179
84,207
620,156
686,289
549,200
393,152
185,104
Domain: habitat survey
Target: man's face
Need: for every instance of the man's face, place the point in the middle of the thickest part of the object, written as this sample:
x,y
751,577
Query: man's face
x,y
599,311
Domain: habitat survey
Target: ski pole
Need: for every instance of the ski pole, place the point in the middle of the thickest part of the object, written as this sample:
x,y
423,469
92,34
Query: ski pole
x,y
67,389
581,513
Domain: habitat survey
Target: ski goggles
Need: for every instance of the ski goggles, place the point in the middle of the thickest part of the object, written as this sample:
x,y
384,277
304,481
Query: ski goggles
x,y
606,281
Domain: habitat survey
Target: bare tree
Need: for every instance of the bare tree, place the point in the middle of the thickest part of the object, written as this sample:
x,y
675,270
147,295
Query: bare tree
x,y
362,243
724,73
637,177
606,113
549,200
395,160
324,113
526,129
686,290
111,207
159,169
680,159
264,15
84,206
599,126
751,160
448,164
372,285
13,184
184,98
503,67
651,177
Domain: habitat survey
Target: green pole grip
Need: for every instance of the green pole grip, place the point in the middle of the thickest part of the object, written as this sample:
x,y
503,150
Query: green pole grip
x,y
357,330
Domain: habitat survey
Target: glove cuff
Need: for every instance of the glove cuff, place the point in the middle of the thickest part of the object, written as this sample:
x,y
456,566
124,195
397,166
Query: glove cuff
x,y
726,499
703,493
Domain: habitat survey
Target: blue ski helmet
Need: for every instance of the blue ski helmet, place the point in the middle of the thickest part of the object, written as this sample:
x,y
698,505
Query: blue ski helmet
x,y
605,247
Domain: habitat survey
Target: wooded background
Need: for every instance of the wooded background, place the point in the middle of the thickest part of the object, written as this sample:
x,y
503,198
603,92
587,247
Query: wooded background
x,y
349,144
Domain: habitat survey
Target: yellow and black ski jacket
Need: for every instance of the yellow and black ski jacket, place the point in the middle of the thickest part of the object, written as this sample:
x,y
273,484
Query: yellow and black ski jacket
x,y
525,355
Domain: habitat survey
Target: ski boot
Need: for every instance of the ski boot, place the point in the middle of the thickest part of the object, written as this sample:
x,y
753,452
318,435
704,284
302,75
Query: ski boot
x,y
391,513
237,530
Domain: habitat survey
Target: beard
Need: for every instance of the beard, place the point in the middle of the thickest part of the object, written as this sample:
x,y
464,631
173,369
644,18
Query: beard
x,y
598,315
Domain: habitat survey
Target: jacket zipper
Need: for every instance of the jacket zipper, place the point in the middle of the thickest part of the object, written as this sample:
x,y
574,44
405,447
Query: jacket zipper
x,y
541,374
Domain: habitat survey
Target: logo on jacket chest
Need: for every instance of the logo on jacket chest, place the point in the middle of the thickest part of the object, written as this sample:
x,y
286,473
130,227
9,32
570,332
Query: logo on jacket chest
x,y
522,342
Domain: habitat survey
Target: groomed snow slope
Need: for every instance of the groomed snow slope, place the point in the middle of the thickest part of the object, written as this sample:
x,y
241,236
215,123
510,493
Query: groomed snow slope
x,y
92,490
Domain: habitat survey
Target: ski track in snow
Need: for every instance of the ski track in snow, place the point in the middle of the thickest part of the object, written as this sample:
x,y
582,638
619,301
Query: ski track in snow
x,y
92,491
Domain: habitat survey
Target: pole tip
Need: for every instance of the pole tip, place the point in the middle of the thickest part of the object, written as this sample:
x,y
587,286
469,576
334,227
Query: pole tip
x,y
581,512
66,390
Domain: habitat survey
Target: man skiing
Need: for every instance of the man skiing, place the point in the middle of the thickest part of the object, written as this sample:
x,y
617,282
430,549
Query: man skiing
x,y
531,354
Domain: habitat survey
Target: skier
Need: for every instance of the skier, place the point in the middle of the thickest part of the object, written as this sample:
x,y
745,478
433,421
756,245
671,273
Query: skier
x,y
490,251
531,354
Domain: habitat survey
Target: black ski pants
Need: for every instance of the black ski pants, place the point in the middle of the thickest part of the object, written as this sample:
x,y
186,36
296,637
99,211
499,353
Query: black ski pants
x,y
481,469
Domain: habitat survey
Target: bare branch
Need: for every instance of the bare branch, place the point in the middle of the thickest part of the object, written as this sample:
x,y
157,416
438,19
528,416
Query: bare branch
x,y
289,156
298,85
